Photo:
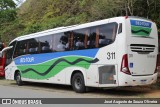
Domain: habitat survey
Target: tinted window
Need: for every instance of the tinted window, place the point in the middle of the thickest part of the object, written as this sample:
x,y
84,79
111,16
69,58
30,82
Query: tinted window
x,y
33,46
92,37
102,35
80,39
21,48
45,44
107,34
120,28
71,40
61,42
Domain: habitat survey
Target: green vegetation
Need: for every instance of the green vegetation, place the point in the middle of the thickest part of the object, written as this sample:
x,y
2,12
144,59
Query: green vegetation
x,y
38,15
7,11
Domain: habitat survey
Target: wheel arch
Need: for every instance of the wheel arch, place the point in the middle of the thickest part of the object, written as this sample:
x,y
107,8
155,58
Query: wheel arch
x,y
78,71
15,73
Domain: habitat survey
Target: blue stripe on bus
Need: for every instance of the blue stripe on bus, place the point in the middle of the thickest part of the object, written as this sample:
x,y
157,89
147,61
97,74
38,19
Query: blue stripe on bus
x,y
140,23
40,58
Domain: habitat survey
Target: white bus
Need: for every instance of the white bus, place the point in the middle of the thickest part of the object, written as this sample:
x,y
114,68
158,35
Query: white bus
x,y
120,51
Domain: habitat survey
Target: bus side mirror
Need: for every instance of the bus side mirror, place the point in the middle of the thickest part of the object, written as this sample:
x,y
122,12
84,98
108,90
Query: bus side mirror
x,y
5,49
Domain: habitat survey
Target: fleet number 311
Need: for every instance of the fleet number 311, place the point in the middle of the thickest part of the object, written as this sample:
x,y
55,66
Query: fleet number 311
x,y
110,55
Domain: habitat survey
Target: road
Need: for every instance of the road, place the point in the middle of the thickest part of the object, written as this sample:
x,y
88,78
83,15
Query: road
x,y
9,89
35,90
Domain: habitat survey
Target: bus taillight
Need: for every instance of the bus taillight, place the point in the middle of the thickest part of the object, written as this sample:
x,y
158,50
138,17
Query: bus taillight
x,y
124,65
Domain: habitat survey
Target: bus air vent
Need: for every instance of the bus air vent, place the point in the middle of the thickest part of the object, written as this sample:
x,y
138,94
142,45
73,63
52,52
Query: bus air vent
x,y
142,48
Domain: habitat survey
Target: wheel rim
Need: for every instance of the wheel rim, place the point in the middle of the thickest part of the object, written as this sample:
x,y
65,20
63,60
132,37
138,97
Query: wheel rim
x,y
78,83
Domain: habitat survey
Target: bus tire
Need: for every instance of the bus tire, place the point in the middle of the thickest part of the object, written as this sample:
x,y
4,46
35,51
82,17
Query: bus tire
x,y
18,79
78,84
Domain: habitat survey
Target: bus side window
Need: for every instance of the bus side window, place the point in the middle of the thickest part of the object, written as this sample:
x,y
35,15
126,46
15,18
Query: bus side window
x,y
45,44
33,45
21,48
107,34
59,42
120,28
80,41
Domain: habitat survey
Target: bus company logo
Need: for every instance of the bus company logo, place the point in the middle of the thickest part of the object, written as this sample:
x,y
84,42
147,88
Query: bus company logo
x,y
140,23
27,60
6,101
143,49
141,28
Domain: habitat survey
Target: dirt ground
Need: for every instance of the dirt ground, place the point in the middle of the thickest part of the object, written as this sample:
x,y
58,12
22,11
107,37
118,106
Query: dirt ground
x,y
151,91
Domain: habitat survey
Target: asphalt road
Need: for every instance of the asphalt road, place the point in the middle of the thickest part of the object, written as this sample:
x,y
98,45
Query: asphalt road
x,y
36,90
9,89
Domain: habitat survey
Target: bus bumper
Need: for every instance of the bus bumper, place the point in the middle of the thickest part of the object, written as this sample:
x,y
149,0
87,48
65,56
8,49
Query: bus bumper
x,y
129,80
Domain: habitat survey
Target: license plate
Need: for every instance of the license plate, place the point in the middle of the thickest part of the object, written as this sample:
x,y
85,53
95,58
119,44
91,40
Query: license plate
x,y
143,81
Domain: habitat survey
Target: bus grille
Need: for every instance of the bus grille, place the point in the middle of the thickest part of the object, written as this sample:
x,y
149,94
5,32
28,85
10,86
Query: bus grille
x,y
142,48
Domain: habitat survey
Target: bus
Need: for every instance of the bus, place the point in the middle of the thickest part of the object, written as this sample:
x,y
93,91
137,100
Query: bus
x,y
119,51
158,63
2,60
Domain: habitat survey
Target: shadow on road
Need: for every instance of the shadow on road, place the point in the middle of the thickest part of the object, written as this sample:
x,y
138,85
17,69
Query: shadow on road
x,y
126,91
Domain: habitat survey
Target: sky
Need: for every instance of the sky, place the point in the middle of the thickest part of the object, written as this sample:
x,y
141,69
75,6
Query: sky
x,y
19,2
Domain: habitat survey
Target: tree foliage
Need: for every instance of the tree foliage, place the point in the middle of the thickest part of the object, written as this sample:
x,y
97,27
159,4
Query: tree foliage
x,y
7,11
38,15
7,4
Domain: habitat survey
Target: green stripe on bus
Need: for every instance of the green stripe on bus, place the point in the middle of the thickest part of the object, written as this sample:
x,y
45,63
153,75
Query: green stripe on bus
x,y
41,68
141,31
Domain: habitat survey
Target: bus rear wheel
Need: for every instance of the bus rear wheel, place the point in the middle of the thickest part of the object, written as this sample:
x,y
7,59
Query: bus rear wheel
x,y
18,79
78,83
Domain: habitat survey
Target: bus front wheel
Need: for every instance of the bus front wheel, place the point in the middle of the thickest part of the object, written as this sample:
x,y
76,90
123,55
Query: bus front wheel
x,y
78,83
18,79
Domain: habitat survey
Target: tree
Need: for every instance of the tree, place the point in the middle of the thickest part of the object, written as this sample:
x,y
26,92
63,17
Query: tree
x,y
7,4
7,11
